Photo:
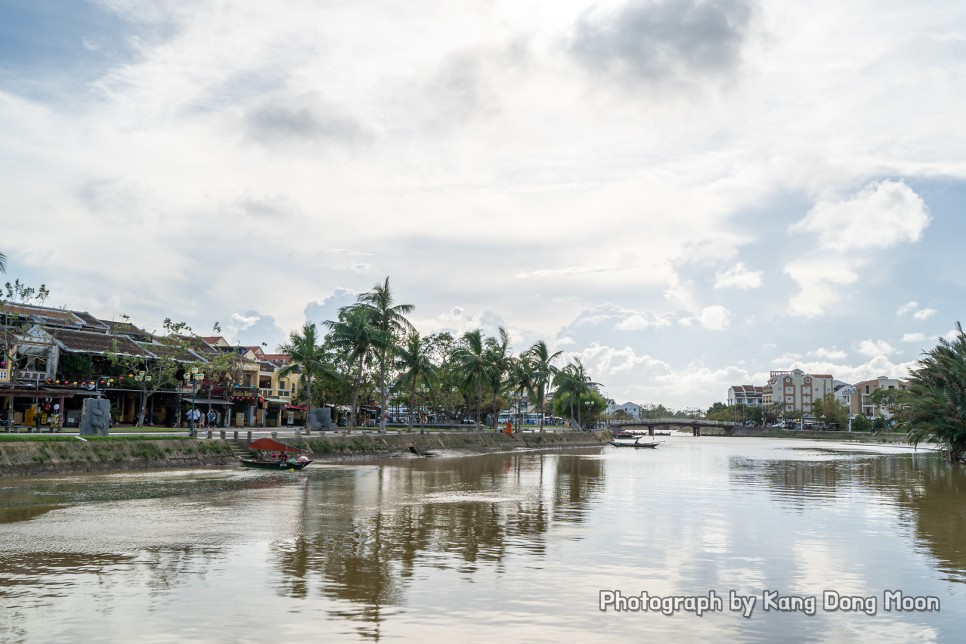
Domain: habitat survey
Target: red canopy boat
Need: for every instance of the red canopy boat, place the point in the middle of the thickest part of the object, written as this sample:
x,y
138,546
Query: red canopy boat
x,y
283,456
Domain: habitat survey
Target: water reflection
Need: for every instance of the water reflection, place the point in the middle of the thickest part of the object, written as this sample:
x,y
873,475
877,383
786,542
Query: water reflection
x,y
512,546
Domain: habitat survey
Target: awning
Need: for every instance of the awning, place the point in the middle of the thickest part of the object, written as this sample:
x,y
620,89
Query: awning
x,y
207,401
276,401
273,445
297,407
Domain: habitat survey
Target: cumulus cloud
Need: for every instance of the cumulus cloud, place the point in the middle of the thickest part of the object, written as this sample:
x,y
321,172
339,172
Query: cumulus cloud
x,y
913,337
874,348
882,215
912,308
818,282
828,354
739,277
327,308
715,317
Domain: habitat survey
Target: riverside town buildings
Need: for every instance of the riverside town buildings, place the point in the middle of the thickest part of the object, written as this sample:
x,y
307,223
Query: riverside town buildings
x,y
55,358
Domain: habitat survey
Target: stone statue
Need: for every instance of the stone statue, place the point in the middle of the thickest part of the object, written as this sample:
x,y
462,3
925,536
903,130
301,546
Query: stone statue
x,y
95,417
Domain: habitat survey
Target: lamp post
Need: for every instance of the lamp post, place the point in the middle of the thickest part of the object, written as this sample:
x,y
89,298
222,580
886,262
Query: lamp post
x,y
144,381
587,405
193,376
422,390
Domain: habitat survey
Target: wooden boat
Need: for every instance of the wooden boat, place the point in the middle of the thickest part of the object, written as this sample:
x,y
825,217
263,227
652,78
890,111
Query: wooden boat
x,y
634,443
295,464
283,457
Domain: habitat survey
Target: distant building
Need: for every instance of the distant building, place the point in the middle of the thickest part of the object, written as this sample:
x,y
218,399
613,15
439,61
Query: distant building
x,y
796,390
843,393
633,410
745,395
862,400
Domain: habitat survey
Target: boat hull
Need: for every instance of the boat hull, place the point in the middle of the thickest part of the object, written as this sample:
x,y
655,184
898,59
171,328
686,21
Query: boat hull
x,y
274,465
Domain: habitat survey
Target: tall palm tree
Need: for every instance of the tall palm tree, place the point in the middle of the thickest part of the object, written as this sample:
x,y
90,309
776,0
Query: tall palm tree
x,y
933,406
355,335
308,356
543,371
3,263
390,319
521,378
470,363
573,382
498,363
415,366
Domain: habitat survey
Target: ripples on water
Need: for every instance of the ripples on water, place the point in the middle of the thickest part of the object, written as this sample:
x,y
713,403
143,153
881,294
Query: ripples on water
x,y
500,546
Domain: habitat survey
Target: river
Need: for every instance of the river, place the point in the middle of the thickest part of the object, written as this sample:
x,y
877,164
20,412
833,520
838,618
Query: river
x,y
769,539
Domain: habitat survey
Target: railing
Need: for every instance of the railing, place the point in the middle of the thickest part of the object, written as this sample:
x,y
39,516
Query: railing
x,y
275,393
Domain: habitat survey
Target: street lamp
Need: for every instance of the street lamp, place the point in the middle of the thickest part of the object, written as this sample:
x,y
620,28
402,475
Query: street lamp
x,y
422,390
144,381
193,376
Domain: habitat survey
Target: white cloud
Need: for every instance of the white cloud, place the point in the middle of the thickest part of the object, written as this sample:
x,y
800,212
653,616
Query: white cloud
x,y
917,313
818,281
913,337
739,277
873,348
828,354
882,215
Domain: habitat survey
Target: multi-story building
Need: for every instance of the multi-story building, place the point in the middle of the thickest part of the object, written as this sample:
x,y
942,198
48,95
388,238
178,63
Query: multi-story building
x,y
745,395
862,402
796,390
633,410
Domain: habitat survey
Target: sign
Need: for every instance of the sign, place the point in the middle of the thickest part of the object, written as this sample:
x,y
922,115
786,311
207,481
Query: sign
x,y
4,375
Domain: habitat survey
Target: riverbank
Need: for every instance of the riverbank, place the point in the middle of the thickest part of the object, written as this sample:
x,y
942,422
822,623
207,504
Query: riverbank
x,y
53,454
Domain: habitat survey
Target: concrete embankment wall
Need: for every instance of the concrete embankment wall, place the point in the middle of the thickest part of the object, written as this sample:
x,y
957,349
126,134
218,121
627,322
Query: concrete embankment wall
x,y
866,437
64,456
25,457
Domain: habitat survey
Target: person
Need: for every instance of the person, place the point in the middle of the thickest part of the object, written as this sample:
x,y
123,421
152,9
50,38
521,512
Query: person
x,y
212,417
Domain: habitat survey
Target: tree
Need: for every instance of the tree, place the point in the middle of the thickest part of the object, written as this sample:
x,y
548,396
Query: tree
x,y
390,319
574,385
831,411
541,360
3,263
933,407
308,357
416,367
13,333
498,365
470,363
355,335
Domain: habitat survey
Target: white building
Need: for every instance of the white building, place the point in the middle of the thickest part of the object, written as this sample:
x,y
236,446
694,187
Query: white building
x,y
796,390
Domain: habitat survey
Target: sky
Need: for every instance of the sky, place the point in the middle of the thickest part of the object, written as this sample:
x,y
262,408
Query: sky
x,y
684,194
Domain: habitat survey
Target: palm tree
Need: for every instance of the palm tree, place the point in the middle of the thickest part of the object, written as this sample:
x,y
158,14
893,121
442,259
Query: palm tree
x,y
470,363
573,382
391,321
3,263
498,363
308,356
543,371
415,365
521,378
934,404
354,334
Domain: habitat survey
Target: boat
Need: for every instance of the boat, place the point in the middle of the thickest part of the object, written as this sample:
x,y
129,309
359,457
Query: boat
x,y
618,442
275,455
281,465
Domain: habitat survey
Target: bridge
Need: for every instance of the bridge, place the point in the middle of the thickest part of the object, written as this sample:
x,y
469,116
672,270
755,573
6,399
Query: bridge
x,y
727,428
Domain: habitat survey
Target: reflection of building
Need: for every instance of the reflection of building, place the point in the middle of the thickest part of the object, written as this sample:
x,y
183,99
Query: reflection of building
x,y
745,395
796,390
862,400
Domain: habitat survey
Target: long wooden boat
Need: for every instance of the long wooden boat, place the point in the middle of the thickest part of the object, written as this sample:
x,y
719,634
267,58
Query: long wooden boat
x,y
637,443
276,465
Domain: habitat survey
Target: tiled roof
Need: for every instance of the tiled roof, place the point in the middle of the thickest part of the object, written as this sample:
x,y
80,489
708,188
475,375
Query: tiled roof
x,y
76,341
